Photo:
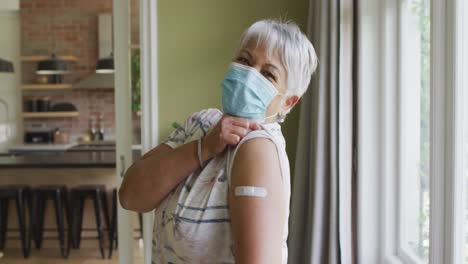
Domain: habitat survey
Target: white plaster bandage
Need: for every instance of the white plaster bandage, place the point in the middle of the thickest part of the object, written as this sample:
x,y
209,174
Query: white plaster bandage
x,y
250,191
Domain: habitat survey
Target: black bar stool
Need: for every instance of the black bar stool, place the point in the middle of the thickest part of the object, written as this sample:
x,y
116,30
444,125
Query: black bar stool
x,y
59,195
21,195
113,224
97,193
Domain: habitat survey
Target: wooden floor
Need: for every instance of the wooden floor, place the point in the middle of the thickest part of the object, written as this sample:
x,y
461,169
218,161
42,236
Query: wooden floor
x,y
77,256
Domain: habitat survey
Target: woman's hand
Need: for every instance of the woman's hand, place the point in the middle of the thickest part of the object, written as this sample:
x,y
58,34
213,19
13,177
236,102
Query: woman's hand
x,y
229,131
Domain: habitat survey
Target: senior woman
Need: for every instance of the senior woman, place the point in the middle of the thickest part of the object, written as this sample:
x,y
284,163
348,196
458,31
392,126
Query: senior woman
x,y
220,184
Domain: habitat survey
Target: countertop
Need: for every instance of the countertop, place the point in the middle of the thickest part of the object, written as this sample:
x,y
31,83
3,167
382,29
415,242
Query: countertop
x,y
42,147
62,159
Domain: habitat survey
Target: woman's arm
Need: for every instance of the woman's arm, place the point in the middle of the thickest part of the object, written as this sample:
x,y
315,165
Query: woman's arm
x,y
153,177
257,222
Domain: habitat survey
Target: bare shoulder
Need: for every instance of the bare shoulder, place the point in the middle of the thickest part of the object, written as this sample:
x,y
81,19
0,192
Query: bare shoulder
x,y
262,148
256,161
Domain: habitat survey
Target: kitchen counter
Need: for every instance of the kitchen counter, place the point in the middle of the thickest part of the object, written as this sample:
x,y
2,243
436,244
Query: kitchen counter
x,y
67,159
41,147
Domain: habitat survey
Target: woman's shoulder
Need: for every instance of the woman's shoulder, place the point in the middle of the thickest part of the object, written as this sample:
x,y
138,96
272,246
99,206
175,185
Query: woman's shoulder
x,y
270,131
269,138
258,149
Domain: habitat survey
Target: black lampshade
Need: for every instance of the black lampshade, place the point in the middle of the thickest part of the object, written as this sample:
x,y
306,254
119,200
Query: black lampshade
x,y
53,66
6,66
105,65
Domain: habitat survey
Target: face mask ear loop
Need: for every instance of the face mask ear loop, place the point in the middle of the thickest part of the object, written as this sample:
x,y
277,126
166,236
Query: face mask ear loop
x,y
279,116
270,116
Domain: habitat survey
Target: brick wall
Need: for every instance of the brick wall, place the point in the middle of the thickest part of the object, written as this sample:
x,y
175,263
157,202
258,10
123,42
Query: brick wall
x,y
69,27
89,102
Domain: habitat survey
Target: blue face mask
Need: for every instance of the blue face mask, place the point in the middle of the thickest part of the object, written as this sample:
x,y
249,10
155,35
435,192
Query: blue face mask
x,y
246,93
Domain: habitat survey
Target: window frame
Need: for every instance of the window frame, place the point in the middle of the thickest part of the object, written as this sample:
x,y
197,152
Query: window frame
x,y
462,81
149,100
447,203
378,135
123,128
392,163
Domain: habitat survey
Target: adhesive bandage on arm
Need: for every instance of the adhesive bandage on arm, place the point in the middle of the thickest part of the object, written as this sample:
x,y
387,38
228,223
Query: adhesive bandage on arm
x,y
250,191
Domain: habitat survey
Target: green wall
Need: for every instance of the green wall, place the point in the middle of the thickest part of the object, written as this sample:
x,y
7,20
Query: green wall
x,y
197,40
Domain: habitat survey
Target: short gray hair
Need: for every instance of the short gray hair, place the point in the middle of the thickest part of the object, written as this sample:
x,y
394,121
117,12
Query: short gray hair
x,y
292,47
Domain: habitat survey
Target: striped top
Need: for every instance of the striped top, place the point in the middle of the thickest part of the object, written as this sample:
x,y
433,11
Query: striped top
x,y
192,223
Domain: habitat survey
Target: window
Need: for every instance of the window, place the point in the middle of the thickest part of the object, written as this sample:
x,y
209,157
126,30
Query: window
x,y
414,91
413,132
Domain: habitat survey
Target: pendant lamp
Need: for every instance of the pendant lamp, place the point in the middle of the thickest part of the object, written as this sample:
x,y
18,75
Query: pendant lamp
x,y
53,66
105,65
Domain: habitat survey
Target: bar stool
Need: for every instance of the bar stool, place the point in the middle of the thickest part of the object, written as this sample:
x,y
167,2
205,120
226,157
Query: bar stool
x,y
79,194
113,224
21,195
59,195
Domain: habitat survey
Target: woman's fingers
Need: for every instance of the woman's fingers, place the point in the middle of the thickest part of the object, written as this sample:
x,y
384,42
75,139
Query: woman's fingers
x,y
245,123
254,126
240,122
232,129
231,139
240,131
